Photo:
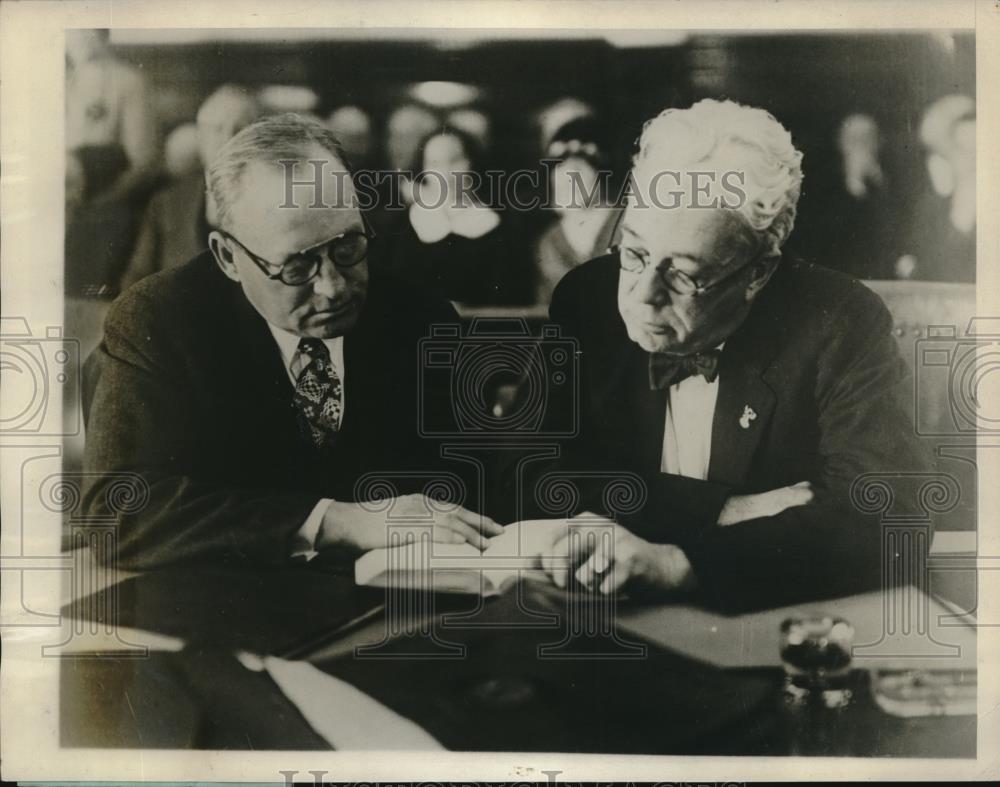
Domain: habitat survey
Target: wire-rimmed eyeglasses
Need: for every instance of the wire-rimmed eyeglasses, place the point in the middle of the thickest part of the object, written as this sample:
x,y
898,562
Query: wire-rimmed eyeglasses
x,y
634,261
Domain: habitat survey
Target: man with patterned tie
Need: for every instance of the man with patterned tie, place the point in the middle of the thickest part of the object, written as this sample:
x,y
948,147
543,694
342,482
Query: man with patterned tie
x,y
252,388
748,390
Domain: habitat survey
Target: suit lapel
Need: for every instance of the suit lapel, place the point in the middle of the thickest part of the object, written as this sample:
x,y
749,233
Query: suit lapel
x,y
358,392
368,367
258,371
746,400
742,412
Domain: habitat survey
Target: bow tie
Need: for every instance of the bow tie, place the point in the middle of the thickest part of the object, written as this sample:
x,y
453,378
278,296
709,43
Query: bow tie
x,y
666,370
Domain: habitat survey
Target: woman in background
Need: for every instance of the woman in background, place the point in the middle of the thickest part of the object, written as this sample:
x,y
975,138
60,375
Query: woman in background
x,y
450,239
579,184
941,243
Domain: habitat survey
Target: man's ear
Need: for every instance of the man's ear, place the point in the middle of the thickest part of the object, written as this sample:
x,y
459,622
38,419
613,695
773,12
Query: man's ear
x,y
223,254
763,269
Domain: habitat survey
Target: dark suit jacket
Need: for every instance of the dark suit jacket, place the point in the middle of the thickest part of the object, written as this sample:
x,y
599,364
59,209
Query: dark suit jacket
x,y
173,230
816,361
193,395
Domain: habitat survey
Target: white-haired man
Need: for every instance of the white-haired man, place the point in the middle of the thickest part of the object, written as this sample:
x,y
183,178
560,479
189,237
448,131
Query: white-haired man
x,y
749,391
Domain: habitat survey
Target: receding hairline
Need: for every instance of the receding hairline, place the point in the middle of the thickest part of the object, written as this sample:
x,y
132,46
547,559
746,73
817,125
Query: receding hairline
x,y
302,154
268,143
302,175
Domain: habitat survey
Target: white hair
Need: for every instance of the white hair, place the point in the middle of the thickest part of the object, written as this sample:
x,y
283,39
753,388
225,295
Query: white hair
x,y
732,137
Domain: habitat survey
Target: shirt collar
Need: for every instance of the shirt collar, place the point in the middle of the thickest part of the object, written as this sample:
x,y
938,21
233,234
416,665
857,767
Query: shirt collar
x,y
288,344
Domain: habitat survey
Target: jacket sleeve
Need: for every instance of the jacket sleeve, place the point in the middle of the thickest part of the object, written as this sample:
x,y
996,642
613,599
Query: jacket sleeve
x,y
141,440
831,546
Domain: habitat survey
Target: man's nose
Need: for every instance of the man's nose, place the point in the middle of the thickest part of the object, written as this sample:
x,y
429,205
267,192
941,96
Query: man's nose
x,y
329,281
650,289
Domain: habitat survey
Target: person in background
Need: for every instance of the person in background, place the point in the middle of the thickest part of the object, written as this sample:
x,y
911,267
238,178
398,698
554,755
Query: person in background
x,y
849,219
406,129
558,114
864,222
279,98
108,106
180,151
449,239
859,142
353,127
474,123
112,135
578,195
74,185
176,224
942,239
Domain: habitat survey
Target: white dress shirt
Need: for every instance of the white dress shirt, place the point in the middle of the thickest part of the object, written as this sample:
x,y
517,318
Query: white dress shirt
x,y
295,363
687,431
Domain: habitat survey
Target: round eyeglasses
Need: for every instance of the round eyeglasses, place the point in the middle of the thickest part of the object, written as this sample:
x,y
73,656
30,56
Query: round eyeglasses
x,y
344,250
675,280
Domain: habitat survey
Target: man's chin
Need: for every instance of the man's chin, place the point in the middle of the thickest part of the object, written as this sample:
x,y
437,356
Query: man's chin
x,y
654,342
323,326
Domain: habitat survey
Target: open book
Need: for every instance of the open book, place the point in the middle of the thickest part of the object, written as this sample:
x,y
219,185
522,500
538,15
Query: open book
x,y
414,562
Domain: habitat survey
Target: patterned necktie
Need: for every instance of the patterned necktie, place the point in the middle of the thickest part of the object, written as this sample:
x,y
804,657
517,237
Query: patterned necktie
x,y
317,393
666,370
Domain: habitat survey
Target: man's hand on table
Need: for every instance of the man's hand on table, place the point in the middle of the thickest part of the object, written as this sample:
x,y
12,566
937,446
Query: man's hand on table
x,y
605,555
613,556
354,525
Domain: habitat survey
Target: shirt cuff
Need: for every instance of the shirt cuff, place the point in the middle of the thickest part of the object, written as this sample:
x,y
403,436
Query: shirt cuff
x,y
304,540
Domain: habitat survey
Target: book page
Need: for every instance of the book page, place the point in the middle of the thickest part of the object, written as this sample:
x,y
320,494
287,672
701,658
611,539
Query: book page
x,y
518,547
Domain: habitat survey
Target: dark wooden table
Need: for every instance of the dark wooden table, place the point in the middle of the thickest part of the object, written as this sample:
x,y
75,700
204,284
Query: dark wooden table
x,y
534,670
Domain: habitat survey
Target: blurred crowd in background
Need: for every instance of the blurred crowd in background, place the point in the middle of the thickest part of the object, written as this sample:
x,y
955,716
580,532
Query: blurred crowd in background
x,y
886,122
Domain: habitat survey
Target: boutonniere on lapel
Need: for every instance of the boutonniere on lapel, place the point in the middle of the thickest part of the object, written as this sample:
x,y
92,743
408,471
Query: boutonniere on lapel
x,y
747,417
